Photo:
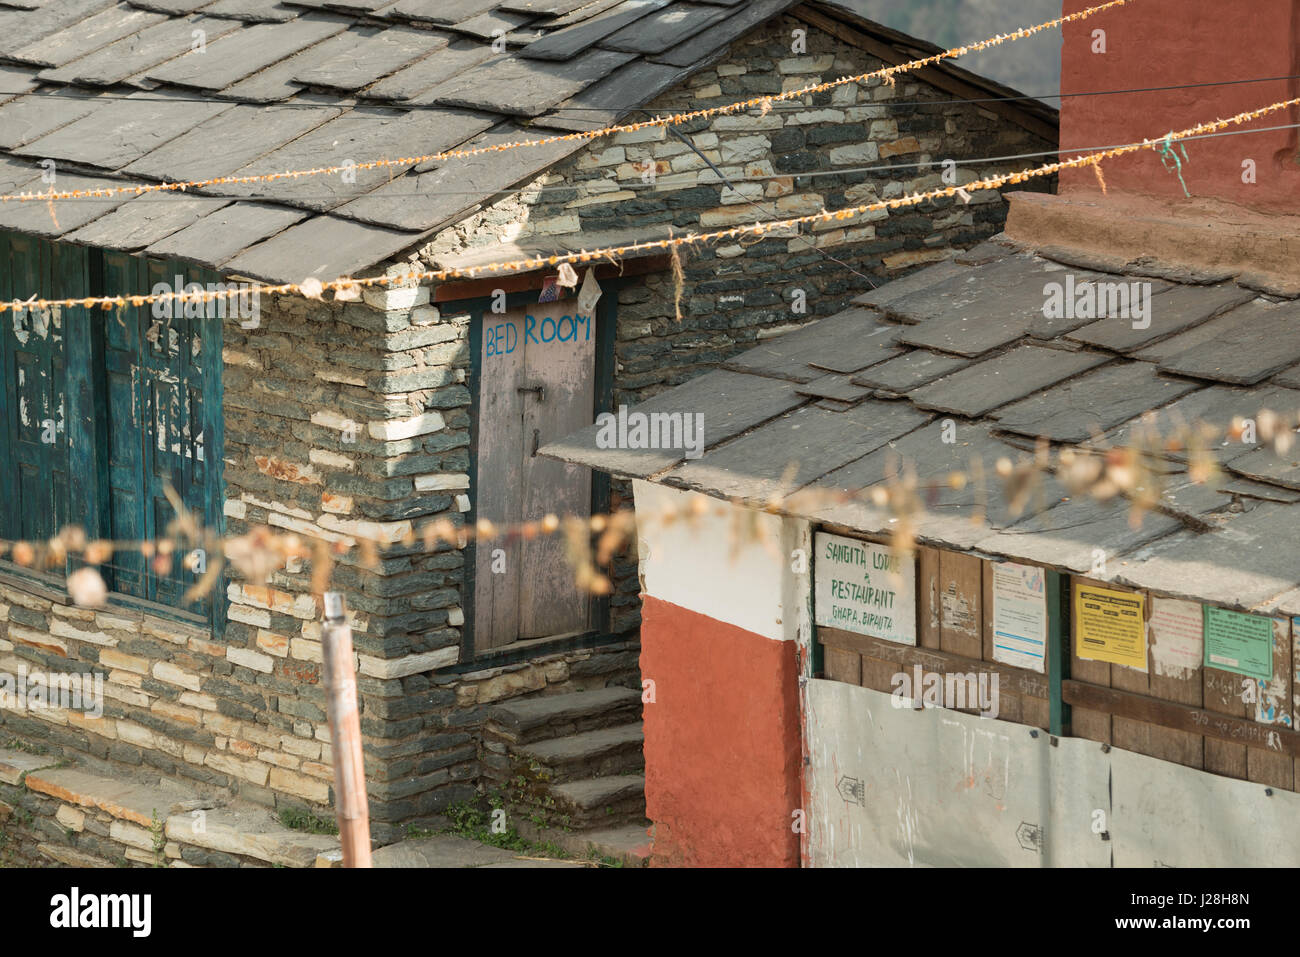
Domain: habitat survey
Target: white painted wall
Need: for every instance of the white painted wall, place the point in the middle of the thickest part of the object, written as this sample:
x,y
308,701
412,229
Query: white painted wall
x,y
728,562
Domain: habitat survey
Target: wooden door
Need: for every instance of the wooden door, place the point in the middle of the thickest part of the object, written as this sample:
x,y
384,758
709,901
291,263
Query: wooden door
x,y
537,384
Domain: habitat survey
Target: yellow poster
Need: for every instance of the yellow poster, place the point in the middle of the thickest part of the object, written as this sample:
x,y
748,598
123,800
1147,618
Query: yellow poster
x,y
1109,626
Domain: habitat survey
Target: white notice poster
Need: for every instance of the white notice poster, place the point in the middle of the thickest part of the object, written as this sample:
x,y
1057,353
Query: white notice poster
x,y
1176,636
864,588
1020,616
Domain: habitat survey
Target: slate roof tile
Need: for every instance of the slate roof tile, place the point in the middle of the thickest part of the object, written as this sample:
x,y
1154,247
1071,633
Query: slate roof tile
x,y
1173,310
731,404
144,221
140,52
983,386
1092,403
87,35
560,64
219,236
123,130
1250,344
794,449
356,59
856,332
239,54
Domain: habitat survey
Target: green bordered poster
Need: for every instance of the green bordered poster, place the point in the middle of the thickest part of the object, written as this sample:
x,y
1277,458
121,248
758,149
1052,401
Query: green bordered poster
x,y
1239,643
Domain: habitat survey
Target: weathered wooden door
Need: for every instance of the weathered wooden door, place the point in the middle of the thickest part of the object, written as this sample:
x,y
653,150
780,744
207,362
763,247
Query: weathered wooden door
x,y
537,384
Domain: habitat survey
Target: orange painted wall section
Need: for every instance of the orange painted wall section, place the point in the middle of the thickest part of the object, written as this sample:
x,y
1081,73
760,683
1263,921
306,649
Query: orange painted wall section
x,y
1152,43
722,741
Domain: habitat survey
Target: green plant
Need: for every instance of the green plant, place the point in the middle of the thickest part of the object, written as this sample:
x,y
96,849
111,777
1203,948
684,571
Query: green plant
x,y
470,821
18,745
301,819
158,828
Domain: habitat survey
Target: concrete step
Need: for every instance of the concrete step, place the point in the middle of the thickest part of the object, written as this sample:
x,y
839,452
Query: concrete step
x,y
554,716
590,754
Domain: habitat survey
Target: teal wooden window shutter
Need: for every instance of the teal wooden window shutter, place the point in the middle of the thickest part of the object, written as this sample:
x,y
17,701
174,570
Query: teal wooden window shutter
x,y
33,407
135,395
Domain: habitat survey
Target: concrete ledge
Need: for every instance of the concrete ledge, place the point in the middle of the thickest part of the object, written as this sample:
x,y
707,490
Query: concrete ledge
x,y
1156,237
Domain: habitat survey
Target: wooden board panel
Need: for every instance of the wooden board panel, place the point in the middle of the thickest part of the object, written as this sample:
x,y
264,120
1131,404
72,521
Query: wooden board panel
x,y
960,594
1273,707
927,592
1215,726
1010,702
1184,687
842,665
1086,722
1223,695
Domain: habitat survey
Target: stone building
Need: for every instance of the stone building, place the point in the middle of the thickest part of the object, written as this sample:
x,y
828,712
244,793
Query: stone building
x,y
343,421
1028,598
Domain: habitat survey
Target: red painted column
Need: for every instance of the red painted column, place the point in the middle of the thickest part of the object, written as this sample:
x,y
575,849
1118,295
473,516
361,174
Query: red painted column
x,y
1155,43
722,741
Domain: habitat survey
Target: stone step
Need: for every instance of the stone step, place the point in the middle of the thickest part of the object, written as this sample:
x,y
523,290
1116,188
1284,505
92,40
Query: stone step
x,y
629,844
252,832
589,754
71,857
123,799
141,808
553,716
590,803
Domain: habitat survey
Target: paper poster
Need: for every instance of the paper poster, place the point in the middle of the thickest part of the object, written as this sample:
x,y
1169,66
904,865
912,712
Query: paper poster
x,y
1176,631
1109,626
1020,616
864,588
1242,644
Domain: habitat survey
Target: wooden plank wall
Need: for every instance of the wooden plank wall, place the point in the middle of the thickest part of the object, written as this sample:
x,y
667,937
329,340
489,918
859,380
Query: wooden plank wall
x,y
955,635
1213,689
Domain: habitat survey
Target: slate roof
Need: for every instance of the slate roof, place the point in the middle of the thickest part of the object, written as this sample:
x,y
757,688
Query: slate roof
x,y
837,405
111,90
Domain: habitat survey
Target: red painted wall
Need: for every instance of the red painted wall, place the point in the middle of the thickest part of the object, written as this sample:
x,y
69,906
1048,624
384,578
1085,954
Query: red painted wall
x,y
1165,42
722,741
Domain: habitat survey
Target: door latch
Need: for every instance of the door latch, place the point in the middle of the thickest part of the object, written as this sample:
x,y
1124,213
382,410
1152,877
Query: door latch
x,y
537,390
537,437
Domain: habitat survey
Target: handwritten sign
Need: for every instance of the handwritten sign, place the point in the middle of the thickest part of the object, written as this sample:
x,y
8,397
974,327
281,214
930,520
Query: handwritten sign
x,y
1020,616
1109,626
864,588
1242,644
1176,631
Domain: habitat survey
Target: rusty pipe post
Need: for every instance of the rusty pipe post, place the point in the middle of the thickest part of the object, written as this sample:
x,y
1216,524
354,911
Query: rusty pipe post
x,y
345,733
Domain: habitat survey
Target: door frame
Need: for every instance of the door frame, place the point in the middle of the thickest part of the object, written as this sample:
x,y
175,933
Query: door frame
x,y
606,334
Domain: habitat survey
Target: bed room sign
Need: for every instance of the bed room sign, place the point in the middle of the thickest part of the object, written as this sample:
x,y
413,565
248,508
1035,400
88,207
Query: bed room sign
x,y
864,588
